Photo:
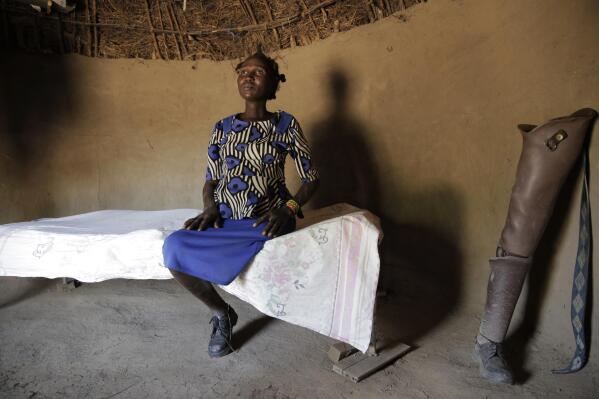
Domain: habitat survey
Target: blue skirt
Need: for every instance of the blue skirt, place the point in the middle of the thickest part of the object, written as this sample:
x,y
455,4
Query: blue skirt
x,y
216,255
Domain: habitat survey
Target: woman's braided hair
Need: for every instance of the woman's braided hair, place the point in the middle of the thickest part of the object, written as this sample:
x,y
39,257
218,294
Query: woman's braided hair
x,y
272,69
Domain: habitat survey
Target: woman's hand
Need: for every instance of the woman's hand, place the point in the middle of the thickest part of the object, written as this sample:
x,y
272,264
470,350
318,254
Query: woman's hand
x,y
277,219
210,217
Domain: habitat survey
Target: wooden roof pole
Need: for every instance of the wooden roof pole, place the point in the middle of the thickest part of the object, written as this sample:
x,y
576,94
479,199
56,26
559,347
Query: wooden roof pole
x,y
270,19
172,26
88,32
164,42
311,20
155,41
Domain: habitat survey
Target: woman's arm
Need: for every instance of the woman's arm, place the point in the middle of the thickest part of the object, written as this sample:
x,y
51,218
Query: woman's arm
x,y
301,154
210,216
306,191
279,218
208,193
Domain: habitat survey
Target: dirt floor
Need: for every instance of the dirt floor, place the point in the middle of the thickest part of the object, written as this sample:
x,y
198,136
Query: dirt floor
x,y
147,339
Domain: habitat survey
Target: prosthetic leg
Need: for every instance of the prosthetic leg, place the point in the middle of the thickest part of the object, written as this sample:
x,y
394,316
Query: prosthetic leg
x,y
549,152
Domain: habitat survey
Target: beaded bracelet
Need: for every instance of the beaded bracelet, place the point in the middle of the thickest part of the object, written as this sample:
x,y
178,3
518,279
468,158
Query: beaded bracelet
x,y
293,205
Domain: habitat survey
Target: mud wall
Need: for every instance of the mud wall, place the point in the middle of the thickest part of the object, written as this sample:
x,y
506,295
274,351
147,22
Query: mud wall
x,y
413,117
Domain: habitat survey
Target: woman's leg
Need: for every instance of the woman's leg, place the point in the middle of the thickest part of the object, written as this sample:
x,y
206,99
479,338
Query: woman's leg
x,y
224,316
203,290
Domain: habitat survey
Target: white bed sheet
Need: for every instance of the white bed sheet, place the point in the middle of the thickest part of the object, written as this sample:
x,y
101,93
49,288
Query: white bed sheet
x,y
323,276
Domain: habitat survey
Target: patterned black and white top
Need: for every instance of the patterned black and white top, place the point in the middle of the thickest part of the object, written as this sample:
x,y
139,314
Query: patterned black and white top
x,y
248,160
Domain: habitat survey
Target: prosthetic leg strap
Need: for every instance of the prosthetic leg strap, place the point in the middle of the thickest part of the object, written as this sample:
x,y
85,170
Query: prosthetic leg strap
x,y
581,278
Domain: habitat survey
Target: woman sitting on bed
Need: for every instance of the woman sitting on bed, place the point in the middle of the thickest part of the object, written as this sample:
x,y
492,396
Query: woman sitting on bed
x,y
246,201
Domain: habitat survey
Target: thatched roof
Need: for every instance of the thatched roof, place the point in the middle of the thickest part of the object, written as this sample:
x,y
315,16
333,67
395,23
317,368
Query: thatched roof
x,y
214,29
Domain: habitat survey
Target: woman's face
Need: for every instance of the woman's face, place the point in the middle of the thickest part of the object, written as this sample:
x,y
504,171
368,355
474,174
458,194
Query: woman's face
x,y
253,81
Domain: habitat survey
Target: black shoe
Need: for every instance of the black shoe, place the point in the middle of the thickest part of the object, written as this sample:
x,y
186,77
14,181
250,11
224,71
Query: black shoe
x,y
222,332
492,363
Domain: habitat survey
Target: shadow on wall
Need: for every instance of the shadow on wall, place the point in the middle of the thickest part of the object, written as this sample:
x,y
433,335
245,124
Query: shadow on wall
x,y
342,152
36,92
421,265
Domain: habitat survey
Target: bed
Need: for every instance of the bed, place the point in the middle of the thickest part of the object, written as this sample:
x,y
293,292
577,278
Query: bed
x,y
323,276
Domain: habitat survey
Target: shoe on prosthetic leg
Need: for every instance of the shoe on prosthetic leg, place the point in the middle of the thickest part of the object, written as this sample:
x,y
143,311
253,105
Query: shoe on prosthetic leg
x,y
222,333
491,360
505,284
